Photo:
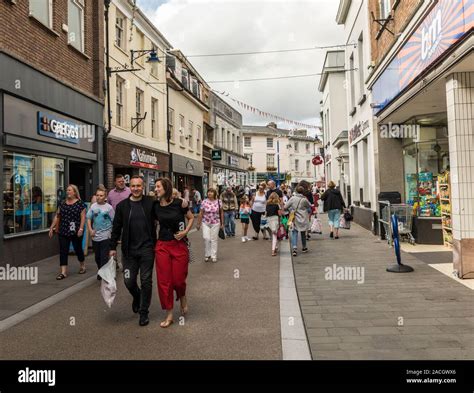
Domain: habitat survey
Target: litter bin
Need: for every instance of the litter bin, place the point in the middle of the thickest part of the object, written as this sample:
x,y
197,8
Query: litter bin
x,y
389,196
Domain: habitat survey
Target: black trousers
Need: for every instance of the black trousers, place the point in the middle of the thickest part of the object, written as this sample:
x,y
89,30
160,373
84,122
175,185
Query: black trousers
x,y
141,263
101,251
64,243
256,218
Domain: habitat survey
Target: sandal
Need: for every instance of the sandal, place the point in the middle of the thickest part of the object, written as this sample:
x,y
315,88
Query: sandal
x,y
274,253
60,276
166,323
82,270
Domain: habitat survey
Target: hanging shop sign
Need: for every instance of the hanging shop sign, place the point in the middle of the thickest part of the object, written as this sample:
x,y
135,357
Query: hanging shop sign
x,y
143,159
216,155
55,127
446,24
318,160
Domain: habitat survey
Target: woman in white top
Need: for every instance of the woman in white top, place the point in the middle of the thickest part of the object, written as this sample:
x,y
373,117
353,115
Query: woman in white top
x,y
258,205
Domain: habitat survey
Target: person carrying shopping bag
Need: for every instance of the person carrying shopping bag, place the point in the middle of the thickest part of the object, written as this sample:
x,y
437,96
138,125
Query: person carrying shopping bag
x,y
333,205
300,209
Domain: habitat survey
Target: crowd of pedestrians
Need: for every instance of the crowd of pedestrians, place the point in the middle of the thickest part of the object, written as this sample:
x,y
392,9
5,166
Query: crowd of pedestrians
x,y
146,231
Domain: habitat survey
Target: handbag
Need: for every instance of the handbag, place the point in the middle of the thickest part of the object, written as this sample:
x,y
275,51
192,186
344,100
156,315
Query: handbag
x,y
221,231
348,216
281,233
292,215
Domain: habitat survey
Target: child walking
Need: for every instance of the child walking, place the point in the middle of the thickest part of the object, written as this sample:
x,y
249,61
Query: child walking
x,y
273,219
244,212
99,223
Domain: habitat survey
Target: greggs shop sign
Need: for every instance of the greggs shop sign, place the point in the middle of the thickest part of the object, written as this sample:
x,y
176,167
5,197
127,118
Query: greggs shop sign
x,y
54,127
446,24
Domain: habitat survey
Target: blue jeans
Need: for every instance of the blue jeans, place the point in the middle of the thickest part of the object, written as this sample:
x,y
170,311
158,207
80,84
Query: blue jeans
x,y
196,208
229,223
294,238
333,218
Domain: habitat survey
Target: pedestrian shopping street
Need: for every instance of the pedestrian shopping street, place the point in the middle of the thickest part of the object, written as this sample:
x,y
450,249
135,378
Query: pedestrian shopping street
x,y
240,308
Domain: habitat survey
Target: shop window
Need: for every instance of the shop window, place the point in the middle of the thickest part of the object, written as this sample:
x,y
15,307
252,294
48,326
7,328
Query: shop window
x,y
33,189
76,24
43,11
154,118
423,162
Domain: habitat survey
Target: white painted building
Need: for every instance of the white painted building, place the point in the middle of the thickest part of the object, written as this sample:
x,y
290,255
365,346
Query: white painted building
x,y
354,16
334,121
289,153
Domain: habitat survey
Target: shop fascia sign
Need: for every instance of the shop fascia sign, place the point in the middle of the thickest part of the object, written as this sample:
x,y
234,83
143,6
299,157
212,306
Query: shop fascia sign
x,y
216,155
446,24
143,159
233,161
55,127
358,130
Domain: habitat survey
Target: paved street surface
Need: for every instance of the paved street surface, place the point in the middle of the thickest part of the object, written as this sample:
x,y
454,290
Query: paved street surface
x,y
346,320
229,318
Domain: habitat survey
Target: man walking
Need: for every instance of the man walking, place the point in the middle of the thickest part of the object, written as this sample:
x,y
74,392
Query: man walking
x,y
272,188
196,200
119,193
134,223
229,206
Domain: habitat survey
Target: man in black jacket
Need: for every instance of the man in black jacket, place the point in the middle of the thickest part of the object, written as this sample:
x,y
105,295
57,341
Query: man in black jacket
x,y
135,225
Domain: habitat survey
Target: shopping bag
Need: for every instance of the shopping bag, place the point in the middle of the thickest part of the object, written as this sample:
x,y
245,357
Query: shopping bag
x,y
108,286
343,223
316,226
348,216
281,233
284,222
221,234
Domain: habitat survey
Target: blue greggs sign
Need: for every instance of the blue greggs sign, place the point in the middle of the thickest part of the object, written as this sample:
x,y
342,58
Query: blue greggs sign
x,y
446,24
54,127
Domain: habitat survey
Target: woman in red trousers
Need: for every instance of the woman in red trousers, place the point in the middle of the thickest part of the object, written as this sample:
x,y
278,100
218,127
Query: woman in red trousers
x,y
172,254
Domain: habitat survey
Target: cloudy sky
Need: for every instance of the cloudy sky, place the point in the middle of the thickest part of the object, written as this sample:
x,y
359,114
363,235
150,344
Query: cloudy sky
x,y
224,26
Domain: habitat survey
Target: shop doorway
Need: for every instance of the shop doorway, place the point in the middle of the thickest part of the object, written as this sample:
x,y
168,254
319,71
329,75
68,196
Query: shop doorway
x,y
80,174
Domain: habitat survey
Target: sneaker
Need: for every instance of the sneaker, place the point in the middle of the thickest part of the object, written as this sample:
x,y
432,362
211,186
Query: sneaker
x,y
244,239
207,259
295,253
214,260
144,320
304,250
247,238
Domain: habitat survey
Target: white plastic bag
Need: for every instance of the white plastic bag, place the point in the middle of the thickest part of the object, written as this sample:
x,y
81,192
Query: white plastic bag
x,y
108,286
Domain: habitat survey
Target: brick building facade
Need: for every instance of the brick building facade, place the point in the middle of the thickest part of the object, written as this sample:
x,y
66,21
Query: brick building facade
x,y
51,116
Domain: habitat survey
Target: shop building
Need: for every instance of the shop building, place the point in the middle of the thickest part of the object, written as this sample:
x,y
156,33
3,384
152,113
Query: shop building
x,y
353,15
137,142
423,98
188,102
51,117
230,166
334,122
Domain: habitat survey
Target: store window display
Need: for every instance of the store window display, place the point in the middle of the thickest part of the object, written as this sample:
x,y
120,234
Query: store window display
x,y
423,163
33,187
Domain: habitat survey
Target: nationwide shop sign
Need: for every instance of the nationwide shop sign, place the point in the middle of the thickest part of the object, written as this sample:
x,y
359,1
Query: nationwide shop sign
x,y
143,159
446,24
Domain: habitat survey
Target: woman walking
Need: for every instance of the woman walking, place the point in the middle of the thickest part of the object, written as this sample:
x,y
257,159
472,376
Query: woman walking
x,y
211,217
171,251
258,205
244,212
273,217
300,206
333,205
69,224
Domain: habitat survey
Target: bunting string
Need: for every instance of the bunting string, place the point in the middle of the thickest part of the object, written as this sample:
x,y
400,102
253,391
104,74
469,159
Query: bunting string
x,y
267,115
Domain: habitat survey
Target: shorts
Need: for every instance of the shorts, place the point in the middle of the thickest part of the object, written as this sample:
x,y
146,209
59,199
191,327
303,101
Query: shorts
x,y
333,217
244,220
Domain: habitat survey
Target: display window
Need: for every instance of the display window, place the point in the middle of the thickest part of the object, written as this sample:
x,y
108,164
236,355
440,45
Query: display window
x,y
423,163
33,187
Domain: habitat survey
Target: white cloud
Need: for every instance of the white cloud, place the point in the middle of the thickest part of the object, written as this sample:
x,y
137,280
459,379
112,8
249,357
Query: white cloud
x,y
223,26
